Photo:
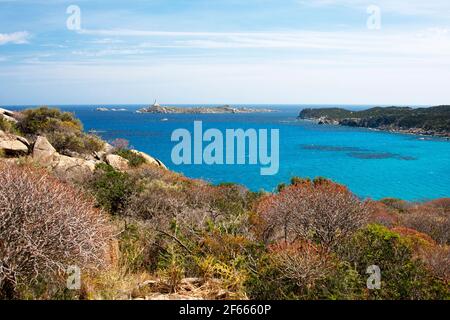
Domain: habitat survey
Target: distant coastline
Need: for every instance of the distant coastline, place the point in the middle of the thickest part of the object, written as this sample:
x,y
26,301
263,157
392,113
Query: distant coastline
x,y
157,109
432,121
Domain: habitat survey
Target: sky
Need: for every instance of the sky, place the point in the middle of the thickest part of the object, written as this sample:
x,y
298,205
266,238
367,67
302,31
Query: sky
x,y
377,52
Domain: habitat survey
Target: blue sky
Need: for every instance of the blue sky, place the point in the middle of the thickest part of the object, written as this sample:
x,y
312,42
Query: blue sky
x,y
225,51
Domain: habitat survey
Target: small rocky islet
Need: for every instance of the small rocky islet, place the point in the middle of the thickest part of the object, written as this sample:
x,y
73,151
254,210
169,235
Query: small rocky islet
x,y
158,109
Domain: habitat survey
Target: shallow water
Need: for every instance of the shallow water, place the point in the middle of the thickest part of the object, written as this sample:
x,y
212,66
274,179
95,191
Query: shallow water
x,y
372,164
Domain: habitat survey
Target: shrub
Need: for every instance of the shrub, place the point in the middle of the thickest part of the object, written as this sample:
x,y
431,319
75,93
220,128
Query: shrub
x,y
120,144
291,271
121,148
135,243
111,188
44,120
383,214
45,226
8,126
134,159
396,204
437,260
323,212
301,263
403,276
431,219
62,129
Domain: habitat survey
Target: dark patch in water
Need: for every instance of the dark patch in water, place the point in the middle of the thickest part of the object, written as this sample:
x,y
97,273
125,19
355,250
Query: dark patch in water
x,y
407,158
379,155
359,153
374,155
333,148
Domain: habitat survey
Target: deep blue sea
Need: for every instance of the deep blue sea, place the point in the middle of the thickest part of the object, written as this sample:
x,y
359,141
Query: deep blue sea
x,y
372,164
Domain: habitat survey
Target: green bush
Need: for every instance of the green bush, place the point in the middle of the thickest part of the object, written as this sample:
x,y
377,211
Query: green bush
x,y
111,188
8,126
44,120
136,249
62,129
303,271
75,142
266,282
403,276
134,159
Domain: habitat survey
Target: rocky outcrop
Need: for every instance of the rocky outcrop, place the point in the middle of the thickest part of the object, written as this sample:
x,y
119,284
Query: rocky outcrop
x,y
101,155
74,168
45,155
69,166
43,152
8,115
117,162
149,159
12,145
325,120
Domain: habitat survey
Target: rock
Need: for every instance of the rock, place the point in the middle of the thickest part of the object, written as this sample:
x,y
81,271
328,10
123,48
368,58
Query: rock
x,y
7,112
150,159
8,118
8,115
65,167
43,152
24,141
73,169
100,155
13,145
73,154
117,162
107,148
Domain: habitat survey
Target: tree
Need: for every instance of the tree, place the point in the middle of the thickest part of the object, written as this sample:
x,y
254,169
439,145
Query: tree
x,y
320,211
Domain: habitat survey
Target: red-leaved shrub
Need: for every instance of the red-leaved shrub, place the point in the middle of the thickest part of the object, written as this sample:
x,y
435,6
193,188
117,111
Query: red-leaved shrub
x,y
325,212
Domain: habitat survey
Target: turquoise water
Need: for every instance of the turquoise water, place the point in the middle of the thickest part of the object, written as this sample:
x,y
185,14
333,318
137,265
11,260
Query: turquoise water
x,y
372,164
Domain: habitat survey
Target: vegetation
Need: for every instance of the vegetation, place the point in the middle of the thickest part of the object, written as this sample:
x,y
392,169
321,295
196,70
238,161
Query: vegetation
x,y
170,235
45,227
110,187
62,129
435,119
121,148
320,211
134,159
8,126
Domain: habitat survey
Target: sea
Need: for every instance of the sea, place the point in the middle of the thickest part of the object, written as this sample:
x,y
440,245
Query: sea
x,y
373,164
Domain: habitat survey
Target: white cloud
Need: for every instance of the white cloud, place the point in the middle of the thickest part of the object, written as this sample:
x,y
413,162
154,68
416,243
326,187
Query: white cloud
x,y
279,82
429,44
108,52
20,37
440,8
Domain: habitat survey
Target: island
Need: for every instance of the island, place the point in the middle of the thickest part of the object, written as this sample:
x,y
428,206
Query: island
x,y
432,121
156,108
